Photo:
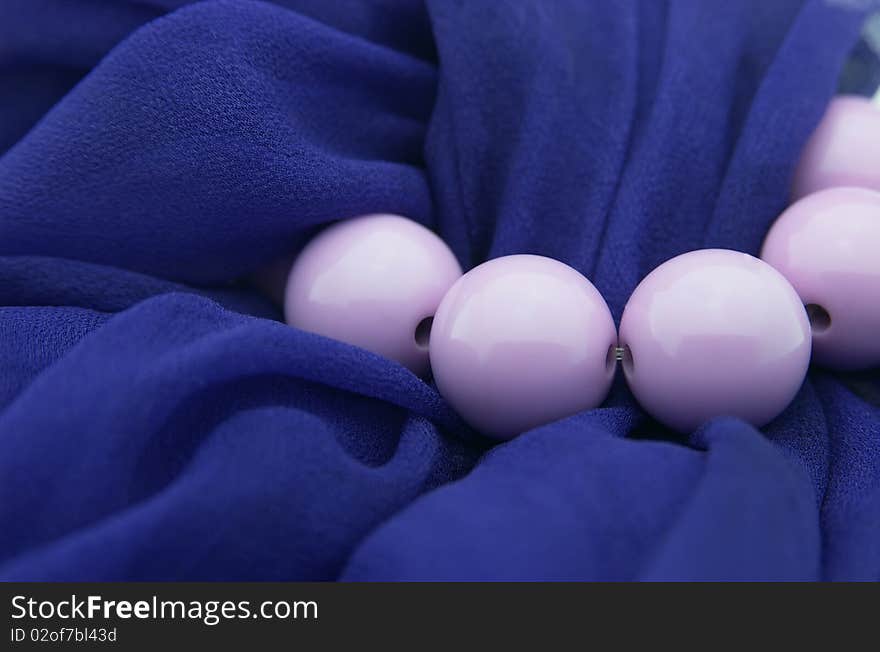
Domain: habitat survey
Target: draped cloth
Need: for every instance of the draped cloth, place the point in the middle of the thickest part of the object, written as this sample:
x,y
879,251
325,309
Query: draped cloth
x,y
158,421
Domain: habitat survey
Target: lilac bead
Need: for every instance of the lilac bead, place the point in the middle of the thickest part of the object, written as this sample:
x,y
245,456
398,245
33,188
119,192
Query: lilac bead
x,y
714,332
521,341
375,282
828,246
844,150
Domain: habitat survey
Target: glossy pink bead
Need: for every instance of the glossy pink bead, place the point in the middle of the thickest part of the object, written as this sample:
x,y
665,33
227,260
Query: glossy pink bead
x,y
375,282
712,333
844,150
828,246
521,341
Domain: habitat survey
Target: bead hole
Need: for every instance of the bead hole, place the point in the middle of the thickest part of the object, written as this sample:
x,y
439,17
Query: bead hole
x,y
629,366
423,332
820,320
611,359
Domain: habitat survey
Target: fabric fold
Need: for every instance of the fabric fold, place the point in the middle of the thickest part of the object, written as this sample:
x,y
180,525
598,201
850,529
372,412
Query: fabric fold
x,y
215,139
158,422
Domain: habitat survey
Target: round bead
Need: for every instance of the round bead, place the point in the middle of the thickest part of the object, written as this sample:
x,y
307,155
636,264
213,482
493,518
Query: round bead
x,y
375,282
844,150
828,246
521,341
712,333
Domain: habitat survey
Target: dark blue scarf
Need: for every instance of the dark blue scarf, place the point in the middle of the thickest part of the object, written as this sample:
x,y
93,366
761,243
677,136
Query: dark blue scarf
x,y
158,422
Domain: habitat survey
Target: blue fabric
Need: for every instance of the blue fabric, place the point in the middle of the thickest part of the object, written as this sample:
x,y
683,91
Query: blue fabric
x,y
157,421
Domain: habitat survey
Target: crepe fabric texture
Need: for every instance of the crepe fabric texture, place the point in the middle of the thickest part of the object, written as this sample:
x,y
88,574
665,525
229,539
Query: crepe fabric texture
x,y
158,420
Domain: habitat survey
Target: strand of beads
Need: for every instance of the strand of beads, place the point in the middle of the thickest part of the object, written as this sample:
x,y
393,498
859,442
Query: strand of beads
x,y
524,340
